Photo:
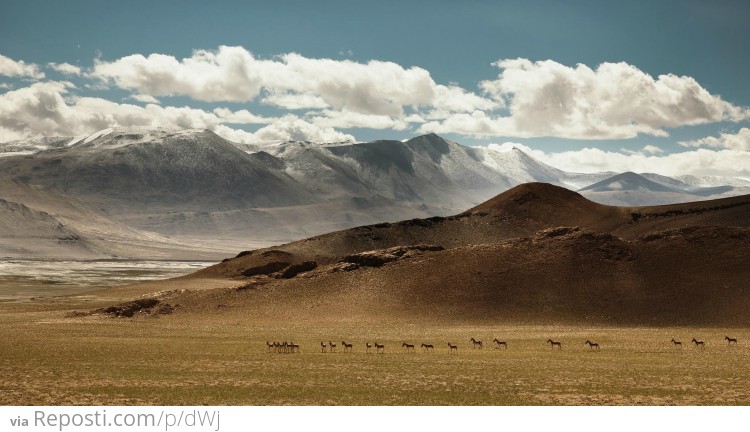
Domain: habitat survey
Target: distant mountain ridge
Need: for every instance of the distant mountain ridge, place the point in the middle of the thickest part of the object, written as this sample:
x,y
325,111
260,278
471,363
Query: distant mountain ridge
x,y
633,189
628,181
194,185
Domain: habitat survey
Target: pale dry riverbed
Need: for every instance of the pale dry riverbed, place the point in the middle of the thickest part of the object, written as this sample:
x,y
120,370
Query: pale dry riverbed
x,y
23,279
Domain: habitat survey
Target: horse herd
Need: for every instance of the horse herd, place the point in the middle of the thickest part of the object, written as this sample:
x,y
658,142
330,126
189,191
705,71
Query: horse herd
x,y
702,344
330,346
282,347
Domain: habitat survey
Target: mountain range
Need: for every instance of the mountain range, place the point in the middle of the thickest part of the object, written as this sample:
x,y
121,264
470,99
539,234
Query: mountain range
x,y
135,192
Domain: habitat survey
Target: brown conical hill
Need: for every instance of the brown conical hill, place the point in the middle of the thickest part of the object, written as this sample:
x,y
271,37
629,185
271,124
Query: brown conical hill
x,y
542,205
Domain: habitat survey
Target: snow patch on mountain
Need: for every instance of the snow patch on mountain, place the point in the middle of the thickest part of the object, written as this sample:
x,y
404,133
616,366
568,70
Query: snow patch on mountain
x,y
712,181
112,138
31,145
101,133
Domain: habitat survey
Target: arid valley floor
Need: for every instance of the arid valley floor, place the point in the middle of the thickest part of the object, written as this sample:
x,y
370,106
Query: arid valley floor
x,y
222,358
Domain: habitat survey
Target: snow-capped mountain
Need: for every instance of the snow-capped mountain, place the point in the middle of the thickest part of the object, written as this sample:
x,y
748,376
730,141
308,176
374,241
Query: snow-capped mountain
x,y
129,169
426,169
629,181
631,189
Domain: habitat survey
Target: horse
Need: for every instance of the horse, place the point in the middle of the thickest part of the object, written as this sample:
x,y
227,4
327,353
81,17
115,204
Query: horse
x,y
332,347
407,346
475,343
730,341
452,347
323,347
677,343
427,347
379,348
499,342
699,343
293,347
368,345
592,345
347,346
554,344
270,346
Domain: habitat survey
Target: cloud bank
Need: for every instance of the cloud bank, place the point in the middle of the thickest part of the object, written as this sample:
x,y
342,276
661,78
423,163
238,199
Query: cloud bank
x,y
526,99
290,81
613,101
738,141
319,99
48,109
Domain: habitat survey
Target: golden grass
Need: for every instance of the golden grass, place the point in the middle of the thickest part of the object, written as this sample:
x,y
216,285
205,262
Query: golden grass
x,y
188,359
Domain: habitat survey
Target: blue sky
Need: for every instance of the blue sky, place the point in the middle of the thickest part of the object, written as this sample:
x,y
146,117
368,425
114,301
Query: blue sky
x,y
546,102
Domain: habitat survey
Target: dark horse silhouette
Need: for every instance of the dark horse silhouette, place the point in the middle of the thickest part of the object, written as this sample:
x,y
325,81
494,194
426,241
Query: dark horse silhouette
x,y
499,342
592,345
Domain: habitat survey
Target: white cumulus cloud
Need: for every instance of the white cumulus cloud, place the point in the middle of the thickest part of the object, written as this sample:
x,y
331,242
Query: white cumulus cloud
x,y
66,68
738,141
652,149
292,128
348,119
289,81
225,75
13,68
241,117
613,101
144,99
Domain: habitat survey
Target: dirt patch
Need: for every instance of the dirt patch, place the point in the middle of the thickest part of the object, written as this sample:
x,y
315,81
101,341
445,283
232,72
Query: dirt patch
x,y
265,269
147,306
345,267
378,258
295,269
558,231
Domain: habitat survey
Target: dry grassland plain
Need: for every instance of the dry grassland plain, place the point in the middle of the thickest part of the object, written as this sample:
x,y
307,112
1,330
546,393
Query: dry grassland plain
x,y
222,359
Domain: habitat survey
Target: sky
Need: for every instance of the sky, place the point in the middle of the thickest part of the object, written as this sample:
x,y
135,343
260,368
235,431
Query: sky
x,y
646,86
